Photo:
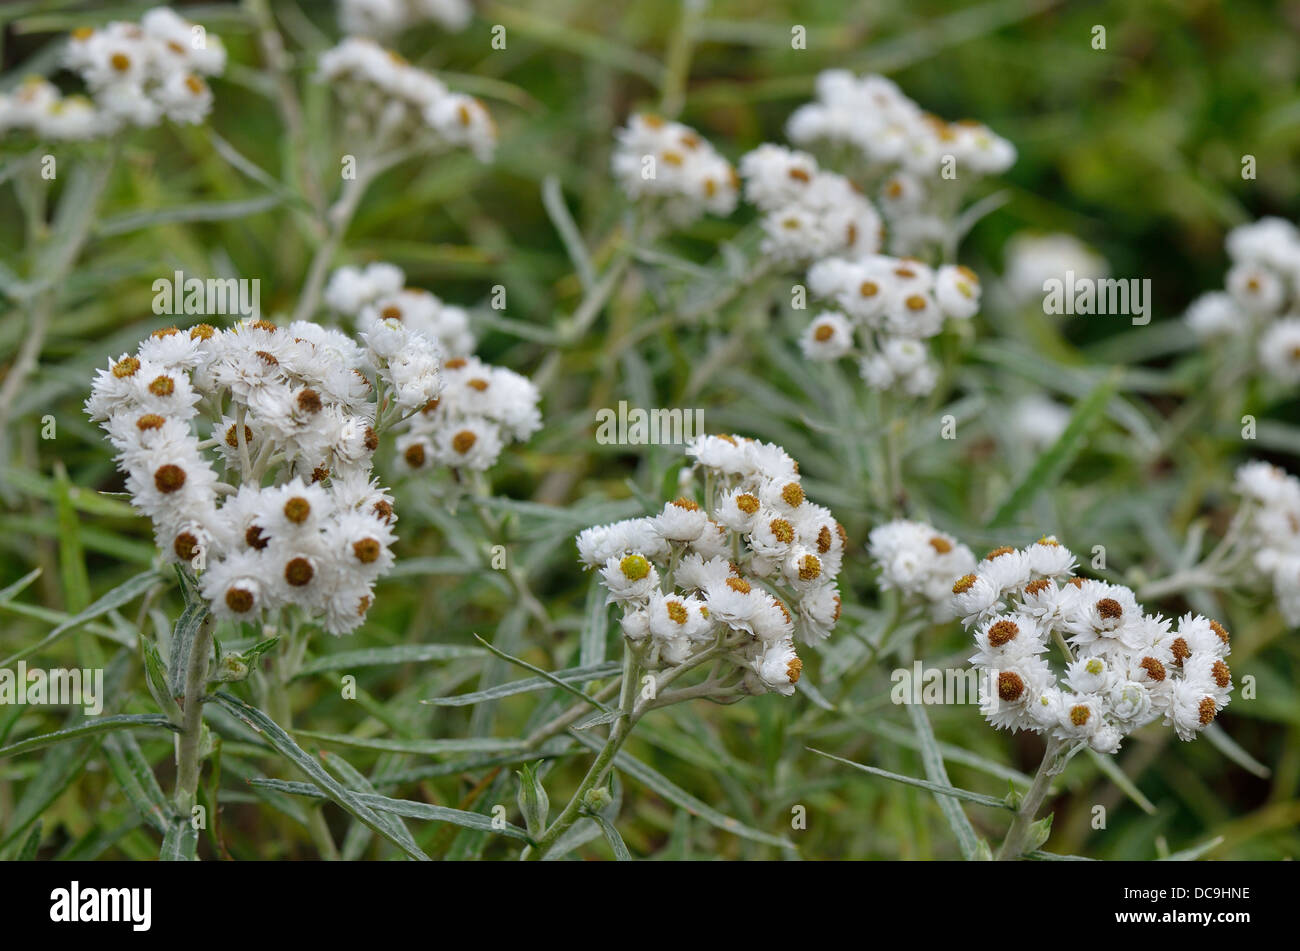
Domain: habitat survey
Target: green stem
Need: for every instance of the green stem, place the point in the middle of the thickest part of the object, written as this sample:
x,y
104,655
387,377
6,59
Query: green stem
x,y
604,761
1013,846
196,681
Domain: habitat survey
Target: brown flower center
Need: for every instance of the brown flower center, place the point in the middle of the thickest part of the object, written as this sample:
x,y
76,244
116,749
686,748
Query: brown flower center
x,y
1155,670
1003,632
1010,686
367,550
169,478
239,600
298,572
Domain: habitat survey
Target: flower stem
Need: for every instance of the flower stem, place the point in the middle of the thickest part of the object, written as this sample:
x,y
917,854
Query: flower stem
x,y
196,679
618,733
1013,846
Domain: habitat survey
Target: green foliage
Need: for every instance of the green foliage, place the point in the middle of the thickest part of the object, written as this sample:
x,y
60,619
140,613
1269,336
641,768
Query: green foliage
x,y
1136,149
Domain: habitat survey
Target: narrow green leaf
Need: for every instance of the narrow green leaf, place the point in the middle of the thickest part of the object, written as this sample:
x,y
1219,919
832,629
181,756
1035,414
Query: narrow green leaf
x,y
378,656
558,211
547,675
1230,748
621,854
1195,852
354,780
33,844
572,675
125,592
406,807
1117,776
953,791
9,592
418,747
133,774
932,759
328,785
124,721
680,797
184,214
1052,465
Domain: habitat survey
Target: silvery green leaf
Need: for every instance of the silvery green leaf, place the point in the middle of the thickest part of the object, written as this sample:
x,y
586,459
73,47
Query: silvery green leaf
x,y
953,791
328,785
92,727
572,675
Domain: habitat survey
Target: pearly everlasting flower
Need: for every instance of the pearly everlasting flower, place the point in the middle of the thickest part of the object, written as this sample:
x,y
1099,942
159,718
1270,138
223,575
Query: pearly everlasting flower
x,y
1124,669
1034,259
250,450
919,561
1271,535
474,411
888,307
1036,422
908,151
808,213
135,74
664,162
872,115
1261,297
403,104
742,574
386,18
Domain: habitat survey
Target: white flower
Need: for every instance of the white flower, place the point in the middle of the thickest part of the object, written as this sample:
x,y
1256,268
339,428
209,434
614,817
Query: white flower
x,y
957,290
828,337
630,578
919,560
1032,260
1213,315
402,102
303,523
779,667
655,158
1129,667
1279,351
681,520
385,18
737,577
1036,421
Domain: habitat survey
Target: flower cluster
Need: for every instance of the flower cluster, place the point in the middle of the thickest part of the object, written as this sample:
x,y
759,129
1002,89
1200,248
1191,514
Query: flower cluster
x,y
736,577
1125,668
919,561
404,103
886,309
288,417
1261,299
1272,530
380,18
808,213
671,164
136,74
890,132
481,408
